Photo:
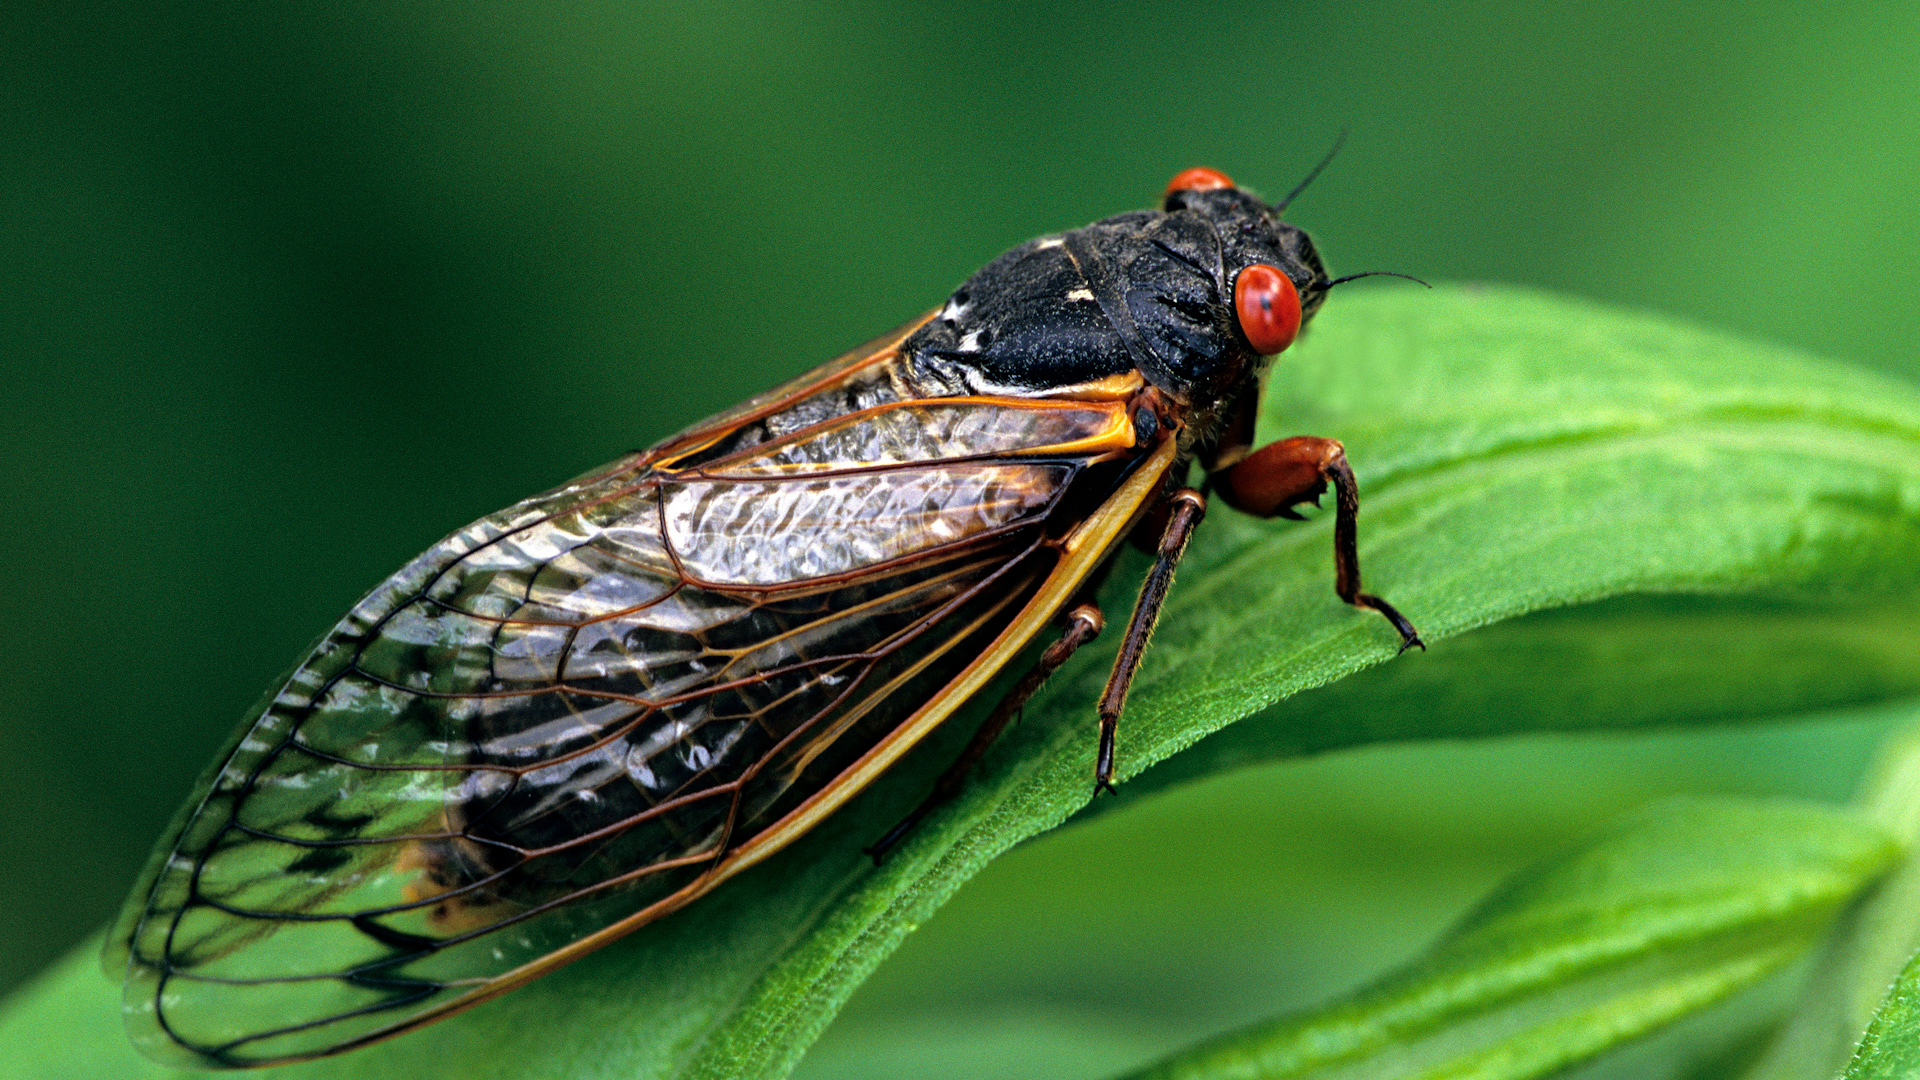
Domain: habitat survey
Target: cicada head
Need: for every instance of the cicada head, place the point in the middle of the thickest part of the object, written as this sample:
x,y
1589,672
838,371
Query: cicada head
x,y
1195,296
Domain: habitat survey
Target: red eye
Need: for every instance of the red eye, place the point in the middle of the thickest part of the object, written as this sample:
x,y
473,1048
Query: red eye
x,y
1268,306
1198,180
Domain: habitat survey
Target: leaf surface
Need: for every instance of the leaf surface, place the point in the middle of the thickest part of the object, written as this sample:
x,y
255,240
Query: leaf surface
x,y
1720,521
1671,910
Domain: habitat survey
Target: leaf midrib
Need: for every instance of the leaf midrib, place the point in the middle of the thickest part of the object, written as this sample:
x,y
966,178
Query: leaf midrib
x,y
1390,470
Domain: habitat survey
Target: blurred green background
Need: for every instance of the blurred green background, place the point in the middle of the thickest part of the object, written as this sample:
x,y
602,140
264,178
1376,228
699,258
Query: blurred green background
x,y
288,291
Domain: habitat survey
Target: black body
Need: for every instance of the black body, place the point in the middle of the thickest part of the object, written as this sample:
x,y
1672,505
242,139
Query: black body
x,y
1150,291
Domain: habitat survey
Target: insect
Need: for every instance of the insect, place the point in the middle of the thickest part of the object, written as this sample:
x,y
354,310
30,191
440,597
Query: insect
x,y
587,710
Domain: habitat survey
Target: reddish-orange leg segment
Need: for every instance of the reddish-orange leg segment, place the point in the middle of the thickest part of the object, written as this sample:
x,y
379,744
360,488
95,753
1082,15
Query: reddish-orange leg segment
x,y
1084,623
1273,480
1189,506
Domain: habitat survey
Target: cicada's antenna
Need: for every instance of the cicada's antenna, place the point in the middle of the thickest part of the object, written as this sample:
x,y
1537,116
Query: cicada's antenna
x,y
1373,273
1324,162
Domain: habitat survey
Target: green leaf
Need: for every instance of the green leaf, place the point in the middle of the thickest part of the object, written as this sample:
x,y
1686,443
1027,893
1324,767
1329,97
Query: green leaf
x,y
1518,454
1866,951
1750,518
1672,910
1891,1048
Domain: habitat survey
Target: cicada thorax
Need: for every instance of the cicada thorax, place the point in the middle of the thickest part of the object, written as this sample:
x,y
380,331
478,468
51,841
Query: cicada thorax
x,y
1191,300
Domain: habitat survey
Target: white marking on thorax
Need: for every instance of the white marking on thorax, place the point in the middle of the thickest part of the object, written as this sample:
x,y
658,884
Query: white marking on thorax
x,y
970,343
1080,294
1048,242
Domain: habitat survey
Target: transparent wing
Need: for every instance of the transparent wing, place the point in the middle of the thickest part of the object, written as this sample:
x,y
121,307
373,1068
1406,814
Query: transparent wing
x,y
562,718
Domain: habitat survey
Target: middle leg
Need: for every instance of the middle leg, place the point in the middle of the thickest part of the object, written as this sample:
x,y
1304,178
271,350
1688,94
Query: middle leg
x,y
1187,507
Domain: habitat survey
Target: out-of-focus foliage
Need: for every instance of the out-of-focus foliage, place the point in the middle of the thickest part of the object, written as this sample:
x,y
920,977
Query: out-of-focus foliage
x,y
1672,910
291,290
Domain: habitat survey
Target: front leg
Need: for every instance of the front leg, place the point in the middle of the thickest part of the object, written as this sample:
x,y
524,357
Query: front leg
x,y
1273,480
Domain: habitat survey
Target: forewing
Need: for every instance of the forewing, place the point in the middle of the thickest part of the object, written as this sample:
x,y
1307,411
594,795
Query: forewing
x,y
561,720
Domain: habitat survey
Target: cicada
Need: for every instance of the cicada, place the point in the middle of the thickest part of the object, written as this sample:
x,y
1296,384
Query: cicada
x,y
581,713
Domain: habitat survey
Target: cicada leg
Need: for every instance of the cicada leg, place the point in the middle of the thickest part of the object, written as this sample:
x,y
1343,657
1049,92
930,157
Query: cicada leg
x,y
1187,507
1273,480
1084,623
